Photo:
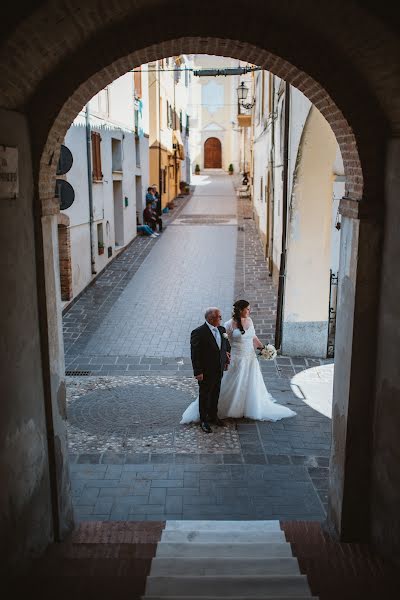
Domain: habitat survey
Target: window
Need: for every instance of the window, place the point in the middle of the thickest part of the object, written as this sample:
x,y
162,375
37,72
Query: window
x,y
137,151
104,101
258,99
136,121
96,157
261,190
186,77
180,121
262,109
271,92
170,116
187,124
161,113
100,238
137,81
116,150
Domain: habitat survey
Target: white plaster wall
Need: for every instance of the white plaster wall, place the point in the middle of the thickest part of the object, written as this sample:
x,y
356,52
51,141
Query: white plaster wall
x,y
299,109
260,162
121,108
112,120
338,193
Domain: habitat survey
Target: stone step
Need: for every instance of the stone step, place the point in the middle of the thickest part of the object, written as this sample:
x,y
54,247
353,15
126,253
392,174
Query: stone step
x,y
228,597
221,550
228,537
223,525
224,566
291,586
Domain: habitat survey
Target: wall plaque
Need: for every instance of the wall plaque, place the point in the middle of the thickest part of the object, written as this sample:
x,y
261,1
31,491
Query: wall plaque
x,y
8,172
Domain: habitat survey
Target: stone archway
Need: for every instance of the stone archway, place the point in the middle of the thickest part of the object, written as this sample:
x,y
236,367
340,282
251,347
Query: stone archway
x,y
53,80
212,153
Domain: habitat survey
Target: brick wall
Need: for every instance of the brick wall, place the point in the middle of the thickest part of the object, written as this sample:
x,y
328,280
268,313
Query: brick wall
x,y
340,55
64,248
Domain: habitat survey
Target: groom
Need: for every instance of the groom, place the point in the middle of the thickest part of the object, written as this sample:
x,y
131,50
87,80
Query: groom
x,y
210,350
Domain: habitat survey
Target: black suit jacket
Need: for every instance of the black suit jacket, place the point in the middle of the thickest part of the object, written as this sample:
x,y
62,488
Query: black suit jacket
x,y
207,358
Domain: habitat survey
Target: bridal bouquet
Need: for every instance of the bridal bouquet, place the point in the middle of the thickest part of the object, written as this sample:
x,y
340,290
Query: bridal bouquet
x,y
268,352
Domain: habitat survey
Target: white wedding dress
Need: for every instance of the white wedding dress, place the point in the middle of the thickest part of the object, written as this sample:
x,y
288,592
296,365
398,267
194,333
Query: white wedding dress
x,y
243,392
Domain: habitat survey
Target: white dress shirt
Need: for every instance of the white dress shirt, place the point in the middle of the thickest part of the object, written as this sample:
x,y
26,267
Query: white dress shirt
x,y
216,334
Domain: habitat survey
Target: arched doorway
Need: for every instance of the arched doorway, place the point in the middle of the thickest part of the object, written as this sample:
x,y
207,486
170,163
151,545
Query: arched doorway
x,y
37,112
212,153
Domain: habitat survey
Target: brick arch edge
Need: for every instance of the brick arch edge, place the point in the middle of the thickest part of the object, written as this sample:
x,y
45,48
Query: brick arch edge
x,y
244,51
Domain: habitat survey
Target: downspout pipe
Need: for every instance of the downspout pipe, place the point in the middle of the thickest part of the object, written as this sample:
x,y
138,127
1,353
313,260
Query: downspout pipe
x,y
90,187
282,267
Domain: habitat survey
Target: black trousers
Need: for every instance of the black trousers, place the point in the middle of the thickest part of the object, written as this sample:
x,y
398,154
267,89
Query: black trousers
x,y
208,397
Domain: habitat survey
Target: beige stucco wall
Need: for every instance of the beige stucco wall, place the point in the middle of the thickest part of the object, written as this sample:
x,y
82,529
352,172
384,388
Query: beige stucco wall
x,y
306,302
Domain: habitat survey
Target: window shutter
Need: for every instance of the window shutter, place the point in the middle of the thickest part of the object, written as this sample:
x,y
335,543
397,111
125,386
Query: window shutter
x,y
137,79
96,156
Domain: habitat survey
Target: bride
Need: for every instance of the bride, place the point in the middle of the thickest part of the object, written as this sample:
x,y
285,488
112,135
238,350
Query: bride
x,y
243,392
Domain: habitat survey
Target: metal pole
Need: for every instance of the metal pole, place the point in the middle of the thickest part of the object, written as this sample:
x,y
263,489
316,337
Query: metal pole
x,y
282,269
159,207
90,188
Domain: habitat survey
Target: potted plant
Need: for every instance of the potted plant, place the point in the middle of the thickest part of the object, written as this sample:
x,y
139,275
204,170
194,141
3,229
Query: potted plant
x,y
100,247
197,169
230,169
187,189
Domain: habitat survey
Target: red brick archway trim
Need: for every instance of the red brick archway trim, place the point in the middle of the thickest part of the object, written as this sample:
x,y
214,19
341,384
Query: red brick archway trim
x,y
235,49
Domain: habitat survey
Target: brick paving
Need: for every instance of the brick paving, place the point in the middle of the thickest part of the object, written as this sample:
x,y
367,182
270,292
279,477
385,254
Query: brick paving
x,y
124,417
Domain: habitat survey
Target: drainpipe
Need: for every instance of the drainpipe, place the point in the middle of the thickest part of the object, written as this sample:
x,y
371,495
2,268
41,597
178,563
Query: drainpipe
x,y
90,188
272,158
282,268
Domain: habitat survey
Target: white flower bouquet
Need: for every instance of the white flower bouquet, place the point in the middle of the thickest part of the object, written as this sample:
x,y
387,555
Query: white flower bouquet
x,y
225,335
268,352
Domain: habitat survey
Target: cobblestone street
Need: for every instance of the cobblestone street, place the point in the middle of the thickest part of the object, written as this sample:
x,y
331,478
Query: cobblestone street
x,y
129,379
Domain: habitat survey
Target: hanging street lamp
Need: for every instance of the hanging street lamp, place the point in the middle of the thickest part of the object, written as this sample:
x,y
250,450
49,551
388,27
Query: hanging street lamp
x,y
242,93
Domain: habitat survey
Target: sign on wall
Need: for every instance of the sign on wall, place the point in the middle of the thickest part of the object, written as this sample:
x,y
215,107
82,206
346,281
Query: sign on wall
x,y
8,172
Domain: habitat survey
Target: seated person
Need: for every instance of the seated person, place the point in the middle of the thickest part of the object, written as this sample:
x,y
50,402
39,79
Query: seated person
x,y
151,218
150,197
146,230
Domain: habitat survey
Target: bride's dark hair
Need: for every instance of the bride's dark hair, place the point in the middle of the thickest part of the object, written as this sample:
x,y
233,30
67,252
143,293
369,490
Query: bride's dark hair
x,y
238,306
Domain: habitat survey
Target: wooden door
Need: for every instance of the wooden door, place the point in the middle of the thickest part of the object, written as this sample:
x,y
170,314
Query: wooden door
x,y
212,154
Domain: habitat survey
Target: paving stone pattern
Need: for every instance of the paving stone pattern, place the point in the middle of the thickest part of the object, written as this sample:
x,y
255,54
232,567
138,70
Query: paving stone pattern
x,y
126,414
193,491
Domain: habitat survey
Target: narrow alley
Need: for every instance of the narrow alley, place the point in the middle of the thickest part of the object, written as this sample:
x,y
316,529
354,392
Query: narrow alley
x,y
129,379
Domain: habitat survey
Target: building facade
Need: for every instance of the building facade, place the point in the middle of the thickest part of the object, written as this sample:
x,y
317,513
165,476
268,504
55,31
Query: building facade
x,y
169,83
297,178
215,135
109,175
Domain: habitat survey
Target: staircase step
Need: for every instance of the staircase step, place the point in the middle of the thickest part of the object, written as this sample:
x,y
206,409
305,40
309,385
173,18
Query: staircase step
x,y
228,537
224,566
223,525
229,597
291,586
221,550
